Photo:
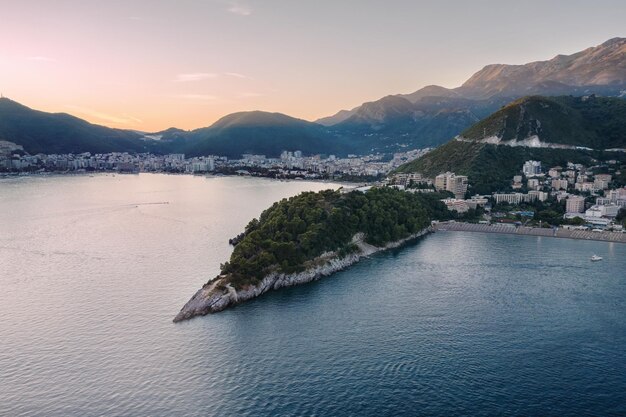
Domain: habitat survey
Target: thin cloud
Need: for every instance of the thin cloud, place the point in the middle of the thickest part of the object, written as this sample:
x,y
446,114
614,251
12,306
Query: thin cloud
x,y
197,97
194,76
237,75
134,119
238,8
104,117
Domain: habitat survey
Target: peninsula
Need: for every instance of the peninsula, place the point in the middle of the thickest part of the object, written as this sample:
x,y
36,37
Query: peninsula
x,y
310,236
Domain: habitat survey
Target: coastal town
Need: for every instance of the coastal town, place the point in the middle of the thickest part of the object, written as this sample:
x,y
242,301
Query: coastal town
x,y
573,197
290,164
257,208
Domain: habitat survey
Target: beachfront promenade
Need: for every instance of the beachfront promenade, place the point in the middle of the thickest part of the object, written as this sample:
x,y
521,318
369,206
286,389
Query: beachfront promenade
x,y
532,231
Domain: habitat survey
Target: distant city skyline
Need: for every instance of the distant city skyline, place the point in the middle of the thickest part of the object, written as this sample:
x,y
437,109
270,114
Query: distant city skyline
x,y
152,64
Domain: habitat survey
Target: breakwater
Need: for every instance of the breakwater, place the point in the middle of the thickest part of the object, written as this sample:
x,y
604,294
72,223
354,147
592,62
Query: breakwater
x,y
532,231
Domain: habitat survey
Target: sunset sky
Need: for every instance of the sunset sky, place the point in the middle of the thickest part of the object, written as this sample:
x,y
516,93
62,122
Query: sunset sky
x,y
152,64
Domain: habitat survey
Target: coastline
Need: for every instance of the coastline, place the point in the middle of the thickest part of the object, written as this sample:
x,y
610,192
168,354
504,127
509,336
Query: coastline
x,y
211,299
5,175
561,233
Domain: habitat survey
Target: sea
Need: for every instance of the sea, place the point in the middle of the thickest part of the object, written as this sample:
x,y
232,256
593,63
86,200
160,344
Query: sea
x,y
94,268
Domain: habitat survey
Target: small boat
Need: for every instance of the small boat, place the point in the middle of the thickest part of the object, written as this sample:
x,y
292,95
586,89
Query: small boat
x,y
596,258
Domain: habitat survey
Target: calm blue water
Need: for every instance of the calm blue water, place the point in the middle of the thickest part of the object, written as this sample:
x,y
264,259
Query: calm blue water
x,y
457,323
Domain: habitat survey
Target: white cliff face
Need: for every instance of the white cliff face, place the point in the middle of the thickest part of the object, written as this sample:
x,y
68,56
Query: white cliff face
x,y
529,142
214,297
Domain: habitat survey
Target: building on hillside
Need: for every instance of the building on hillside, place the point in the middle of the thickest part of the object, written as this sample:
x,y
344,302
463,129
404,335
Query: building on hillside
x,y
531,168
609,211
511,198
603,177
584,186
517,198
456,184
601,183
453,204
477,201
532,184
555,172
441,181
617,197
534,195
406,179
575,204
559,184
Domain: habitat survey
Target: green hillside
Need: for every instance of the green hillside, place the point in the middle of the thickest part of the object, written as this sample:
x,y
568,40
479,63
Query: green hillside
x,y
50,133
294,231
263,133
594,122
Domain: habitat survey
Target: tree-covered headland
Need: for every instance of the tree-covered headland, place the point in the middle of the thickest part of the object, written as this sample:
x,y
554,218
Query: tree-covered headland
x,y
290,234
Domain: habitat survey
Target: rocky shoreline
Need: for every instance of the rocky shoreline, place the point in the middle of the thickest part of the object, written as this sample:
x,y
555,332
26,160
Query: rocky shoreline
x,y
217,295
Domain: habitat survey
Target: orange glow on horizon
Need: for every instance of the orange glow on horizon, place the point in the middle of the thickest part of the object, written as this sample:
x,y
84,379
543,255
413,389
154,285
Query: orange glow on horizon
x,y
153,64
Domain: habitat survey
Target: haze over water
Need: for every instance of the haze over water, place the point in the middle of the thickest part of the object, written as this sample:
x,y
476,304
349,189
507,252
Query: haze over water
x,y
457,323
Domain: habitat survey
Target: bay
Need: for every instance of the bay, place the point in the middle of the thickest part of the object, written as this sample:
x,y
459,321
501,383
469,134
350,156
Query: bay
x,y
93,269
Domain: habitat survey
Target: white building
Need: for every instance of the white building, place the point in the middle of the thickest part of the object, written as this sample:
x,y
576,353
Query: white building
x,y
537,195
584,186
575,204
457,184
602,211
531,168
511,198
460,206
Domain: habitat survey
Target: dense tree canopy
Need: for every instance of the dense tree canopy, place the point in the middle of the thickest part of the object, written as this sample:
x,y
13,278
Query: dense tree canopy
x,y
296,230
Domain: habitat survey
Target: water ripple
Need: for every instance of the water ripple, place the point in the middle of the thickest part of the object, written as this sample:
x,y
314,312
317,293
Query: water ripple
x,y
457,324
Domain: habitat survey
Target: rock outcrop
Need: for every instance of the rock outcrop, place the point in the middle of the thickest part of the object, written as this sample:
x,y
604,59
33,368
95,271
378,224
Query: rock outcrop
x,y
218,294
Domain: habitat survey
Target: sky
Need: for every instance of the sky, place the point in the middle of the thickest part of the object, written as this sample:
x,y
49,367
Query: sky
x,y
153,64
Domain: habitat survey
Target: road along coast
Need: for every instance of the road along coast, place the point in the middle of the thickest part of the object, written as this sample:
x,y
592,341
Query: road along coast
x,y
532,231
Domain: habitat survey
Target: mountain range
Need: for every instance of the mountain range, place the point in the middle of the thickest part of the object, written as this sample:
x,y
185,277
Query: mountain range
x,y
427,117
257,132
233,135
434,114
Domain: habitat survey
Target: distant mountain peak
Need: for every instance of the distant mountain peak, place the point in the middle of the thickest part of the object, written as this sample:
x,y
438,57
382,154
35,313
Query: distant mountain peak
x,y
430,91
8,102
338,117
604,64
614,41
256,118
